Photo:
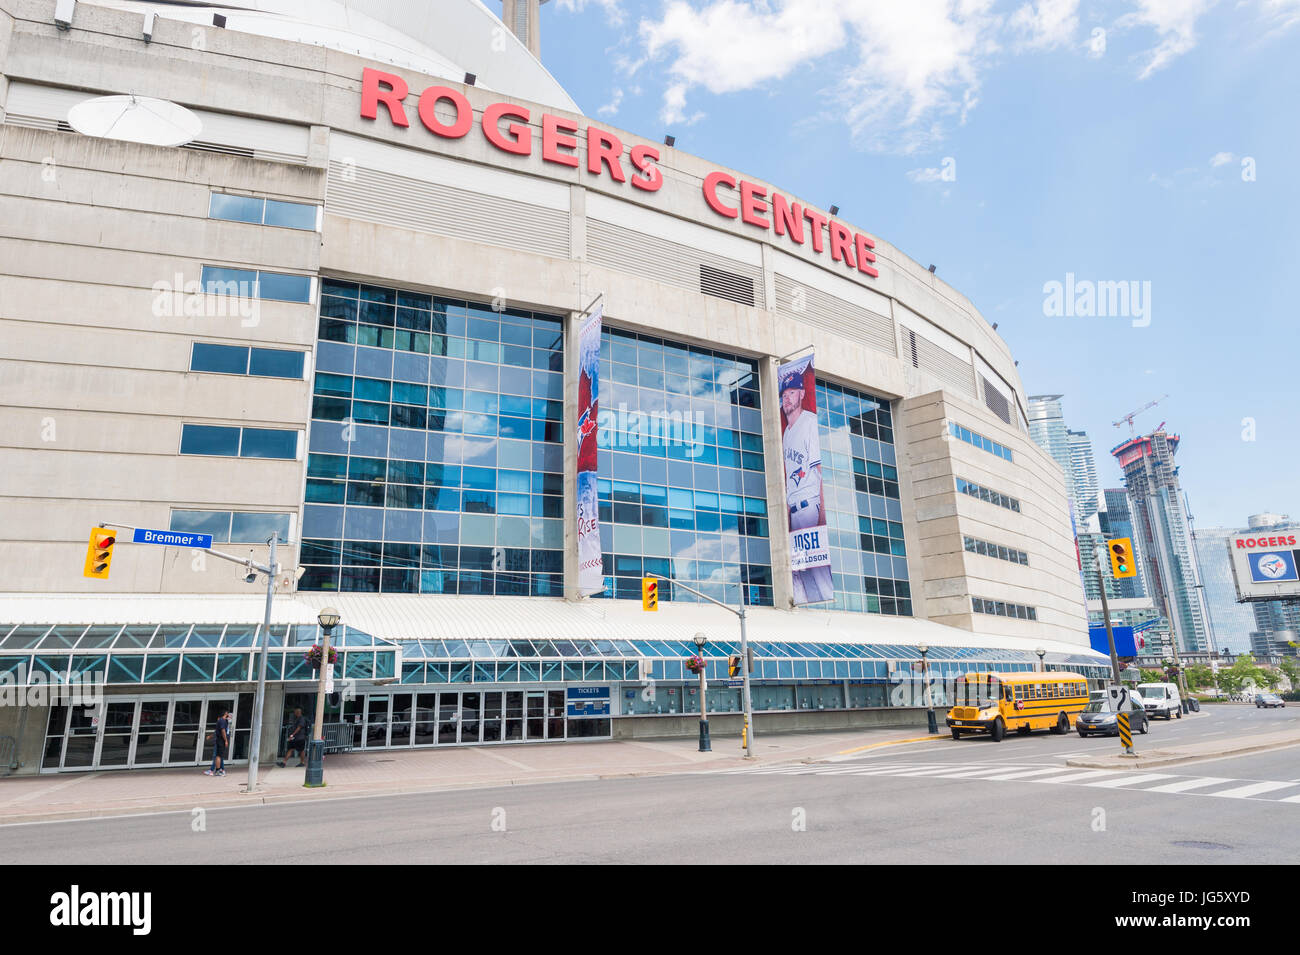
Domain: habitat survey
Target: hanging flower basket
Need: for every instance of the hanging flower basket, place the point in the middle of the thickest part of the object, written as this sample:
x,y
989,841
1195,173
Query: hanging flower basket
x,y
312,656
695,664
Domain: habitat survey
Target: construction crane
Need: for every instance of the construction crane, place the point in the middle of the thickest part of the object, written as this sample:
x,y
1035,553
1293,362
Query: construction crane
x,y
1133,414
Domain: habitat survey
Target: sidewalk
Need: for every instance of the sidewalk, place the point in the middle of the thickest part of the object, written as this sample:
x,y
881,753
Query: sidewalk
x,y
388,772
1190,752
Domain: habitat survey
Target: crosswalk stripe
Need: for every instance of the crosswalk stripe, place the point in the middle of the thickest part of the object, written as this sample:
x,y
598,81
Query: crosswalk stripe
x,y
1290,799
982,772
1128,780
1196,782
1026,773
1078,776
932,771
1254,789
891,770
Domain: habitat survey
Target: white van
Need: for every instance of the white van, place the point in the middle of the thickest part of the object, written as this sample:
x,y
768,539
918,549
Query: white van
x,y
1161,699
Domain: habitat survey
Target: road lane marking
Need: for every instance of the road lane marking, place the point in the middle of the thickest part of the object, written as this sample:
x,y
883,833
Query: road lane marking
x,y
1023,773
1076,777
1254,789
1129,780
1183,785
982,772
929,772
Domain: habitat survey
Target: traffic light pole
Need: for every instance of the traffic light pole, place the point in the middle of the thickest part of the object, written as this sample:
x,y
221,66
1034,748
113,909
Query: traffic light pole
x,y
748,733
1105,614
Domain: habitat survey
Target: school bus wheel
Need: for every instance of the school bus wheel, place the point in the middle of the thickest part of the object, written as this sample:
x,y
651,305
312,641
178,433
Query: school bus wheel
x,y
956,733
998,730
1062,725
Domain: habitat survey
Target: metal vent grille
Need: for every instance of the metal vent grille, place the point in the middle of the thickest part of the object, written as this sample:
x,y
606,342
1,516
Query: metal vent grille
x,y
672,263
726,285
939,363
802,303
62,126
995,401
389,199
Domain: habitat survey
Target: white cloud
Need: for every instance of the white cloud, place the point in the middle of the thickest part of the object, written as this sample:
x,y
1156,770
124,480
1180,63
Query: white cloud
x,y
928,174
909,64
1174,22
613,8
1221,159
611,108
1045,25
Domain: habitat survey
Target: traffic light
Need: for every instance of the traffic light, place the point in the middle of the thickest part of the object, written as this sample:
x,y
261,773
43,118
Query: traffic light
x,y
1121,557
99,553
733,665
649,593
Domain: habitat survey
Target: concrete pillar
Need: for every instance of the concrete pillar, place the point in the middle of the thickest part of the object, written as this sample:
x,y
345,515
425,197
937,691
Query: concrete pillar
x,y
778,523
26,724
318,148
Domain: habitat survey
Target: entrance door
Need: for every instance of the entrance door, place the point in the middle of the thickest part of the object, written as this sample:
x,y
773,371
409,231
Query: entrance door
x,y
426,719
555,714
403,717
470,717
187,722
83,734
376,735
536,709
492,723
448,715
119,726
514,715
216,707
151,737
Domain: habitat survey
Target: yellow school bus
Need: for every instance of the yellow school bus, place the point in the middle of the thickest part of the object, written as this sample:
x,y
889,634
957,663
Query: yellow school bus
x,y
996,703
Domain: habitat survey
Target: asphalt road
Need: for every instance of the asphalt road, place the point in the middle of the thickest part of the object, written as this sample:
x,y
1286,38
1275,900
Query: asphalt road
x,y
933,802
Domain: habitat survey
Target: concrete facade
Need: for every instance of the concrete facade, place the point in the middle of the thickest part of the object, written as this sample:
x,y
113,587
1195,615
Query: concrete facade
x,y
94,379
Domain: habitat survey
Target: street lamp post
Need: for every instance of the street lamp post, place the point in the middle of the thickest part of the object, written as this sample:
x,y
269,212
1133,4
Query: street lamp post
x,y
328,620
705,746
931,723
1041,653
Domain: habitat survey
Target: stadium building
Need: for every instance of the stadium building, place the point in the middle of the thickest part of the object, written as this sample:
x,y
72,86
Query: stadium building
x,y
346,309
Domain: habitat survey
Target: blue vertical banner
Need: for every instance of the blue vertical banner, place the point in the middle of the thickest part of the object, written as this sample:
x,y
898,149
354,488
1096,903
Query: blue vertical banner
x,y
810,553
591,579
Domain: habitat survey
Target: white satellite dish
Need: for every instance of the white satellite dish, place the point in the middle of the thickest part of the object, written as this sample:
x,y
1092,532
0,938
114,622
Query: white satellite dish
x,y
136,119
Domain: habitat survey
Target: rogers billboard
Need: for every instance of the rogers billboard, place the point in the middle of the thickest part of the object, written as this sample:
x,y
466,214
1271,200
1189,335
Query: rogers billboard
x,y
1265,565
508,128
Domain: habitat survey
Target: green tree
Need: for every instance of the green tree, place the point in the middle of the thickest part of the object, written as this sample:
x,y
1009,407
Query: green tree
x,y
1235,677
1199,677
1292,671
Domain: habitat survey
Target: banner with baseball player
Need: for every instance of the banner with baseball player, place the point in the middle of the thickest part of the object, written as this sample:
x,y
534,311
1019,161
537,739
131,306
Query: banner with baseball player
x,y
591,579
810,554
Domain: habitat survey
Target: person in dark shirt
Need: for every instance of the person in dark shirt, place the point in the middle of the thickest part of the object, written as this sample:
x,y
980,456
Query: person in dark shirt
x,y
297,738
220,746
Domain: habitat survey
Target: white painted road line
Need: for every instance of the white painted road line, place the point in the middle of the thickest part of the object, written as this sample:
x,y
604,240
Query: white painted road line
x,y
1128,780
1078,776
983,772
1185,784
941,770
1022,774
1254,789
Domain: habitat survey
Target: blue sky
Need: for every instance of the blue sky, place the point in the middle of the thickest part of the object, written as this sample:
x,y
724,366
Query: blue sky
x,y
1105,140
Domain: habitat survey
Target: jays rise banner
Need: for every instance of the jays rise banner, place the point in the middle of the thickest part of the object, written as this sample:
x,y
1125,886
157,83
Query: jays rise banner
x,y
810,555
591,579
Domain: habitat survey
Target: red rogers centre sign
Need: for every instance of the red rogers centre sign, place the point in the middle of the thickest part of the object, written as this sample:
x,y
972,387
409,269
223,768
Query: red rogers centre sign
x,y
507,127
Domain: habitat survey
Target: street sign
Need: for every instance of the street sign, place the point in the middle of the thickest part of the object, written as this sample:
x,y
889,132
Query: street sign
x,y
144,535
1117,696
735,684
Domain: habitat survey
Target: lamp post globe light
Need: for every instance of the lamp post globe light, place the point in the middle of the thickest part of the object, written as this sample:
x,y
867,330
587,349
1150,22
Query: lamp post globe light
x,y
328,620
931,722
1041,653
705,744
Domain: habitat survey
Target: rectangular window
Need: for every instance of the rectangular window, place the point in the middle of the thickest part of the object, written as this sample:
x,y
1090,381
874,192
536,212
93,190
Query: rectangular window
x,y
247,283
979,441
207,439
276,363
238,442
224,359
985,549
239,527
971,489
269,443
272,212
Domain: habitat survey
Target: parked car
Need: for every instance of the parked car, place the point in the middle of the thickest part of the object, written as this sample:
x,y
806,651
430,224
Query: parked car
x,y
1268,700
1162,699
1098,720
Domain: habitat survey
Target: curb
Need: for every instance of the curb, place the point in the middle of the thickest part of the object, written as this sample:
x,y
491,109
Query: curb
x,y
1173,759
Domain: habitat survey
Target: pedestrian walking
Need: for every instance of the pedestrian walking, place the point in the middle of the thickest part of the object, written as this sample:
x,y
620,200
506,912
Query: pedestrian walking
x,y
297,739
220,746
